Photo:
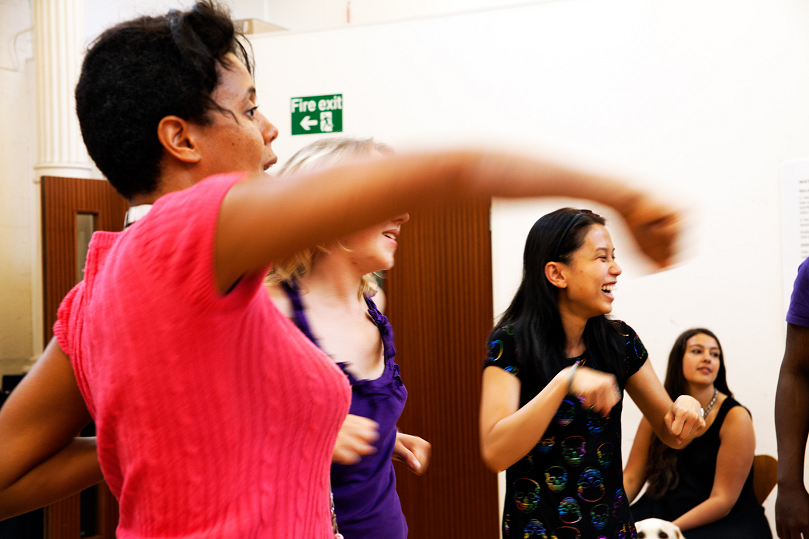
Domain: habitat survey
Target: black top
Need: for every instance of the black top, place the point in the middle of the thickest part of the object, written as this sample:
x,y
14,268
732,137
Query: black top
x,y
571,483
696,466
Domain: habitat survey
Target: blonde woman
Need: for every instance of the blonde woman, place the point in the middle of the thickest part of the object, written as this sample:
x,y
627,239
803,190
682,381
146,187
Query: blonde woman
x,y
331,294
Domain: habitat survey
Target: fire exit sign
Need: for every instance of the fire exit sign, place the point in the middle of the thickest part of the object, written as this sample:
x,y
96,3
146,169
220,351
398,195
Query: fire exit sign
x,y
317,114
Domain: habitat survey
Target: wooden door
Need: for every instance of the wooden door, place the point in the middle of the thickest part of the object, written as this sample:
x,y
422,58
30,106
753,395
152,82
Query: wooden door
x,y
69,207
440,305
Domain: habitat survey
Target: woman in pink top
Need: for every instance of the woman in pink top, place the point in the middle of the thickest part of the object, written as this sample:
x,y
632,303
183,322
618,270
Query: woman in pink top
x,y
216,418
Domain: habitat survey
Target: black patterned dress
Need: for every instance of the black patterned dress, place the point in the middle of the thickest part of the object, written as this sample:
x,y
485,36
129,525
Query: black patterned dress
x,y
570,486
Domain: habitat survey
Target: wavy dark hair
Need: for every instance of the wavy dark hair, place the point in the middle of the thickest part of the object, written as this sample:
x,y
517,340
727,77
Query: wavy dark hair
x,y
534,312
661,465
140,71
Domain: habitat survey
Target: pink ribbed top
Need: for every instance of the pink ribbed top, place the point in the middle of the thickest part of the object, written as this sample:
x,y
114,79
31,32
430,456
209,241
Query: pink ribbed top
x,y
215,416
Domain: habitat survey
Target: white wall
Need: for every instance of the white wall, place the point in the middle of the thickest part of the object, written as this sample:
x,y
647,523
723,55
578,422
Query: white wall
x,y
702,98
18,192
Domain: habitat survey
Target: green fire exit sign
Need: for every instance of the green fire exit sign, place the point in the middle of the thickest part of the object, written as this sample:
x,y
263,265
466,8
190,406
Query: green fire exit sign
x,y
317,114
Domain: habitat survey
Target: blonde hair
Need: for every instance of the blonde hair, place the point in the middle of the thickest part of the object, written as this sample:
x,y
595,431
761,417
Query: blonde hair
x,y
324,153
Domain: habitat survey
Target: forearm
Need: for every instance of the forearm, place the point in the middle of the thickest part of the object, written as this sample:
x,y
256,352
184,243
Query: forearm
x,y
70,470
708,511
791,426
511,438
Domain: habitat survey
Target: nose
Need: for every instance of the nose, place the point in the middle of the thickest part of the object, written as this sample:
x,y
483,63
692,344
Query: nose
x,y
615,269
268,130
401,219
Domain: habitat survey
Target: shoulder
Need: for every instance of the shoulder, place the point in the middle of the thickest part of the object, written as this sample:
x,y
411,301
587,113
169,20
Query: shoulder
x,y
279,298
737,416
633,346
502,349
798,313
503,334
379,299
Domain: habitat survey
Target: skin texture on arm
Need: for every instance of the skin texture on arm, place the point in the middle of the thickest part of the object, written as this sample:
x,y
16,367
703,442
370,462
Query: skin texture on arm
x,y
41,459
508,432
673,422
736,451
635,469
791,429
261,221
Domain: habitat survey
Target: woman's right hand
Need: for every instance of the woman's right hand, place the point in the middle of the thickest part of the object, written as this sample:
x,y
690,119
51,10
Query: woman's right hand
x,y
355,439
596,390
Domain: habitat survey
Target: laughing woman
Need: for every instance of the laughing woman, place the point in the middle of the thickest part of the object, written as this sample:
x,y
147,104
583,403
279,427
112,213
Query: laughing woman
x,y
329,293
553,384
707,488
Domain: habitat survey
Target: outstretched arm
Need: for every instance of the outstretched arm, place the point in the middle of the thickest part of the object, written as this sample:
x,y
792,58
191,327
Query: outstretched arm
x,y
41,459
262,221
791,430
737,448
673,422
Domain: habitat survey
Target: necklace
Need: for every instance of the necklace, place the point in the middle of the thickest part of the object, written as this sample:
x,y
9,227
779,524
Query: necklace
x,y
710,405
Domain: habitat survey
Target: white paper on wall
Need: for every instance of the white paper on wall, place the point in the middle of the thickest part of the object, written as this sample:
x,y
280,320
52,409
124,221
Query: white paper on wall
x,y
794,220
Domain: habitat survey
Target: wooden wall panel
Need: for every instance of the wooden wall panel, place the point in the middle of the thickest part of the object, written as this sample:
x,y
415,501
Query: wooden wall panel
x,y
62,199
440,305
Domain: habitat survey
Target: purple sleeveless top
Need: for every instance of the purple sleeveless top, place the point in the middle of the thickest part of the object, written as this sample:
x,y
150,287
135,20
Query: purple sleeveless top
x,y
365,498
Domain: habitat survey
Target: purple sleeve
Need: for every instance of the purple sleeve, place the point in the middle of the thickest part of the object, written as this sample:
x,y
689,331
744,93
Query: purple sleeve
x,y
798,313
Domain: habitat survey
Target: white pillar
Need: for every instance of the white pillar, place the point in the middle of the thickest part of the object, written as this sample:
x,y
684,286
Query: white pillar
x,y
58,51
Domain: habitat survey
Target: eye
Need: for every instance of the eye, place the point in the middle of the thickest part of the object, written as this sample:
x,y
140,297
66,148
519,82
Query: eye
x,y
663,535
641,535
252,112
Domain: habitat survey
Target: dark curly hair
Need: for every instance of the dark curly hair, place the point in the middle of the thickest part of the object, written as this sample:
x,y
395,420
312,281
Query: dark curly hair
x,y
140,71
661,466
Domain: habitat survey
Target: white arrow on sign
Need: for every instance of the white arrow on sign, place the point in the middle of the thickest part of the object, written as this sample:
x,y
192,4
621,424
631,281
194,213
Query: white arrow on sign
x,y
306,123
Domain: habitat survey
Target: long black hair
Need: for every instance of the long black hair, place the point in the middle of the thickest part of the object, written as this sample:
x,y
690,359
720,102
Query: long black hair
x,y
661,464
534,312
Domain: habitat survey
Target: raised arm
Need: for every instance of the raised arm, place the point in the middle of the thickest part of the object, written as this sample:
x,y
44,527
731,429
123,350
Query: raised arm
x,y
635,469
263,221
673,422
41,459
737,446
791,430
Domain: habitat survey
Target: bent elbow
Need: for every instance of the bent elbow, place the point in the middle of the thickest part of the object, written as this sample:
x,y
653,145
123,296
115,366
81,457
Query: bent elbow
x,y
492,462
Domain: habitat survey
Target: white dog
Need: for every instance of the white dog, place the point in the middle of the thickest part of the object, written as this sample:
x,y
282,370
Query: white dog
x,y
654,528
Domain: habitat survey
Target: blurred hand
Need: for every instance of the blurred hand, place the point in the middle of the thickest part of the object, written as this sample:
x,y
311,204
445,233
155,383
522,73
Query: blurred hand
x,y
792,512
413,451
656,228
355,439
684,418
597,391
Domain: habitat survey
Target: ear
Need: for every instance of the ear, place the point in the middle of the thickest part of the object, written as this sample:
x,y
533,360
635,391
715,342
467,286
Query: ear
x,y
177,138
556,273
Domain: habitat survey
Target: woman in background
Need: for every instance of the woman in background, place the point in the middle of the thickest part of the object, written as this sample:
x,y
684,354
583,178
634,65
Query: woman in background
x,y
707,487
327,292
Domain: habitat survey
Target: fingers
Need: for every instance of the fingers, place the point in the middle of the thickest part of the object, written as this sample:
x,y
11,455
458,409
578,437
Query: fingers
x,y
656,228
413,451
597,391
684,418
355,439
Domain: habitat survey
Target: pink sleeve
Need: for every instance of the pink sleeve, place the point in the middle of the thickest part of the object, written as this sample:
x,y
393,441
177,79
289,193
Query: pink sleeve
x,y
175,245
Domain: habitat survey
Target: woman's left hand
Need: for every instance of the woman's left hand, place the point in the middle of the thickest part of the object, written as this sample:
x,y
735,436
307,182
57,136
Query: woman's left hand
x,y
684,418
413,451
